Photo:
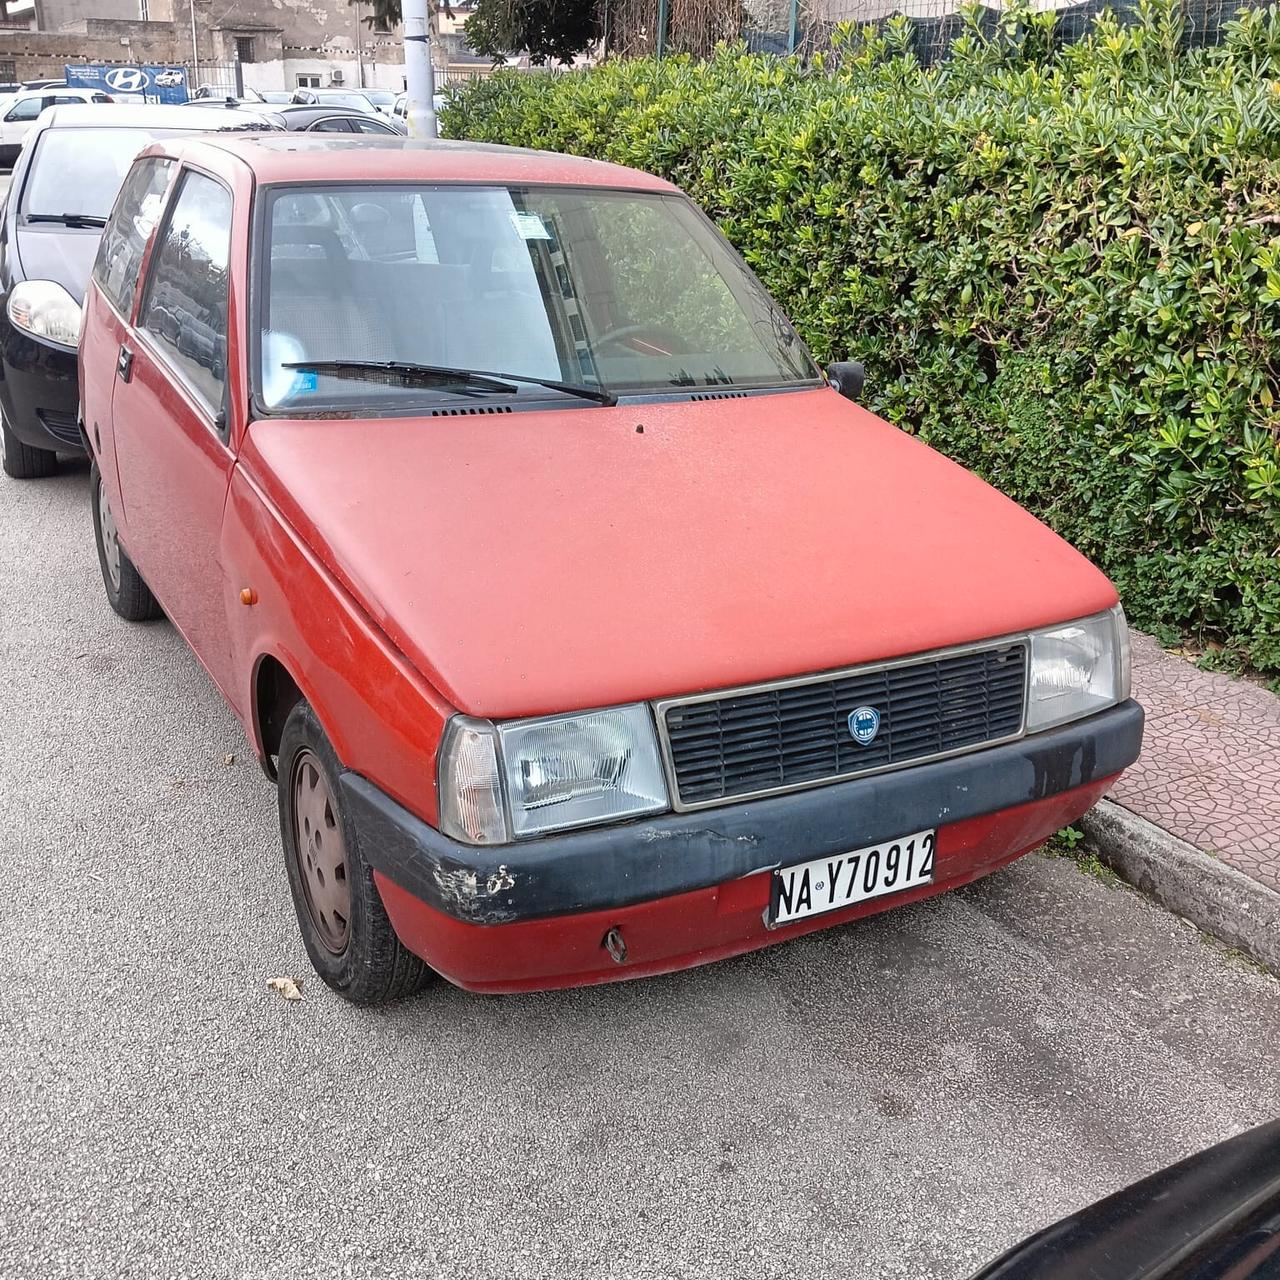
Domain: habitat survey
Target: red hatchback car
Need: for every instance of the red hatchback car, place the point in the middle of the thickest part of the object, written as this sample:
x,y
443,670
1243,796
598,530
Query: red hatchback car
x,y
587,630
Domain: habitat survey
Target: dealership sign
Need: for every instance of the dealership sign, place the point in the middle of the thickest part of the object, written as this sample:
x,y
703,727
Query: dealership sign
x,y
145,83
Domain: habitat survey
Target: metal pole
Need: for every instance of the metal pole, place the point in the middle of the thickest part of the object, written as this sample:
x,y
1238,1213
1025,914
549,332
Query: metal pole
x,y
195,52
662,27
793,36
359,50
419,74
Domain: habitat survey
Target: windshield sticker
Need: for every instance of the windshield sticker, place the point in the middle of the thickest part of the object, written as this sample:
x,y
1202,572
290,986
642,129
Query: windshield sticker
x,y
304,380
529,225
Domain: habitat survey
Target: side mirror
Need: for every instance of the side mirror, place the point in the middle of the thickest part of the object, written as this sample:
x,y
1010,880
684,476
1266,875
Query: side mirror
x,y
847,377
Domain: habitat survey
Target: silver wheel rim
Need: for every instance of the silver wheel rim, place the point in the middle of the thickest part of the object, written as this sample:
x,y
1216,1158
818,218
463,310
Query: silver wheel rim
x,y
320,853
110,538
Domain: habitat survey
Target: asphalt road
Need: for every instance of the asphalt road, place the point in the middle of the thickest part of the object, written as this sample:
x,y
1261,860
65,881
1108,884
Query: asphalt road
x,y
903,1097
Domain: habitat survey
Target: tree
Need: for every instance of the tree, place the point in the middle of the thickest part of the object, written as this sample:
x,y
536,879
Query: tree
x,y
386,13
548,30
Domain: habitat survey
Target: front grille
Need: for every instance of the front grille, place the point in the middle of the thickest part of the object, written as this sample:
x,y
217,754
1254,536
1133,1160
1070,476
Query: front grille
x,y
61,426
797,734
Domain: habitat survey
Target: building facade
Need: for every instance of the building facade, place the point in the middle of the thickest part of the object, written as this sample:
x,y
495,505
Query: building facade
x,y
280,44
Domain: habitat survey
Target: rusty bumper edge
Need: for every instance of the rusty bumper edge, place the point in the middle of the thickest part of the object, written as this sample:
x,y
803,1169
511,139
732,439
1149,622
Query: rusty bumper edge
x,y
614,866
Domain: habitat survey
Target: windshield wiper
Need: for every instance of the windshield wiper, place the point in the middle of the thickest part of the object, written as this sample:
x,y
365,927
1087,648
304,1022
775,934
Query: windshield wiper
x,y
443,376
69,219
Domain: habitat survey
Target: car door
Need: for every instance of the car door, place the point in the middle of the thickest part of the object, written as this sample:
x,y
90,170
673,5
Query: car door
x,y
109,305
373,126
169,417
20,116
329,124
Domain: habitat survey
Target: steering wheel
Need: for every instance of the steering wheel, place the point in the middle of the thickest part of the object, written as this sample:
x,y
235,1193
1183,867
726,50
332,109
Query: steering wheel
x,y
661,335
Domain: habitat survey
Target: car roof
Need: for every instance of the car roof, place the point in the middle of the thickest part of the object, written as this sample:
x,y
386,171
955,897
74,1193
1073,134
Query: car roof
x,y
336,157
128,115
58,90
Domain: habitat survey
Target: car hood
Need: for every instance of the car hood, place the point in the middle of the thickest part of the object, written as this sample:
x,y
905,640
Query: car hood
x,y
61,254
539,561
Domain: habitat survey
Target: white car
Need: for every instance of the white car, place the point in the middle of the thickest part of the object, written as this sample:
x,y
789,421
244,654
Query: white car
x,y
169,79
21,109
401,107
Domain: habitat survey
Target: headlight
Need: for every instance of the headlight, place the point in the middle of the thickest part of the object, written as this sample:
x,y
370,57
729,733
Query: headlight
x,y
45,310
527,777
1078,669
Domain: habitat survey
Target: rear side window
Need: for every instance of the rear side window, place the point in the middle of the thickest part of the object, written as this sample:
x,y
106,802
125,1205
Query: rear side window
x,y
136,212
25,109
185,309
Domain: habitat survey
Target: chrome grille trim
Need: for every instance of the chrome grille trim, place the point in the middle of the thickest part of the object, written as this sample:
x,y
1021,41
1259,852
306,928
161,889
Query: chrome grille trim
x,y
661,706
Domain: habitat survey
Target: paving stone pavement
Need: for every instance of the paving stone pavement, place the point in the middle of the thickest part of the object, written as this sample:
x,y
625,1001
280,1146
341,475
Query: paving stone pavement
x,y
1210,765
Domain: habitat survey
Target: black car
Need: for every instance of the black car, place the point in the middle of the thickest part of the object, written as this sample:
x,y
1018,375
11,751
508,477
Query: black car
x,y
1214,1216
326,119
64,184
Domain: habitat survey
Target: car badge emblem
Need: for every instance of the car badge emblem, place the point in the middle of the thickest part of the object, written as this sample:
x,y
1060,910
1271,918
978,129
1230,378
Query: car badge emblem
x,y
864,724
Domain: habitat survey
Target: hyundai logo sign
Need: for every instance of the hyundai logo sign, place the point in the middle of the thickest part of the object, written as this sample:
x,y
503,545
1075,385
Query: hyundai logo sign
x,y
127,80
146,83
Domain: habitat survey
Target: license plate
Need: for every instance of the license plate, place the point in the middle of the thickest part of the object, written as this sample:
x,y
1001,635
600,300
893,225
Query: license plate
x,y
827,884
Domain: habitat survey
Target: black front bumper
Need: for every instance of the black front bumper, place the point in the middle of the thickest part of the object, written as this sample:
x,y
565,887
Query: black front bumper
x,y
39,391
615,866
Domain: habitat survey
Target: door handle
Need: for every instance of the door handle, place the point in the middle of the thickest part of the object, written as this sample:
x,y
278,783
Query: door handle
x,y
124,364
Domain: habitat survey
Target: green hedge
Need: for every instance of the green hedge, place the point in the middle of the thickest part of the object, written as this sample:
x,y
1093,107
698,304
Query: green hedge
x,y
1061,265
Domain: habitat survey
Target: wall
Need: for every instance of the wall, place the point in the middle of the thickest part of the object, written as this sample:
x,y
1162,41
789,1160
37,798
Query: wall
x,y
39,55
58,15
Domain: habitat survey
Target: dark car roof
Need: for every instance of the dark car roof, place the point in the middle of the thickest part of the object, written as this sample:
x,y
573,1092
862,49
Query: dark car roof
x,y
326,157
299,117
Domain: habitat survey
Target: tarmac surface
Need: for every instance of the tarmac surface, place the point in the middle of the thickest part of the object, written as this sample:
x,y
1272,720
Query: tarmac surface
x,y
906,1096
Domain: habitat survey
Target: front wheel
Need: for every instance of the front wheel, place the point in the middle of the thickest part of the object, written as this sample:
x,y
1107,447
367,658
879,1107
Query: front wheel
x,y
345,929
127,594
24,461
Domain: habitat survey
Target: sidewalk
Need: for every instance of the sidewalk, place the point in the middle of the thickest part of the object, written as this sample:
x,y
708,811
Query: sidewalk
x,y
1208,783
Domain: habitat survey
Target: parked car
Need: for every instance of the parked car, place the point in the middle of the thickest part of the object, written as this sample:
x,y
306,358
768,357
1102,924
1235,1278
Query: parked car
x,y
401,107
325,119
58,200
21,110
401,110
1213,1216
382,99
350,99
586,630
276,97
43,84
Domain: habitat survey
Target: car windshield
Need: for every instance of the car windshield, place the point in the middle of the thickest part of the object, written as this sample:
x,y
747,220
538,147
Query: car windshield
x,y
382,97
72,174
626,292
356,100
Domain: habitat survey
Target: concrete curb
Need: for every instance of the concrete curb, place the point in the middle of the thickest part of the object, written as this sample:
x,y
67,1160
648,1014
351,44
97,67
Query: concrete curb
x,y
1216,898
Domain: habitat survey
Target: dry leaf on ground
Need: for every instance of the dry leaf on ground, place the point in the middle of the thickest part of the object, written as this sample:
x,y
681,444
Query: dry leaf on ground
x,y
286,987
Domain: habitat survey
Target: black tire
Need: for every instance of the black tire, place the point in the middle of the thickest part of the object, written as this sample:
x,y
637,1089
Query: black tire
x,y
369,965
24,461
130,597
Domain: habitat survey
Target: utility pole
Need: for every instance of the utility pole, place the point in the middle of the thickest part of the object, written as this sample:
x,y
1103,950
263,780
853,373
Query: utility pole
x,y
359,50
419,74
195,50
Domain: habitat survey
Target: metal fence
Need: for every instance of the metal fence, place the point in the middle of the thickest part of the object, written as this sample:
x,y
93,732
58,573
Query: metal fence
x,y
640,27
804,26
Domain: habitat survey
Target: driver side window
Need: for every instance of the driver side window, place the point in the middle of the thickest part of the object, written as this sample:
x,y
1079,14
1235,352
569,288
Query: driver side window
x,y
185,309
26,109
